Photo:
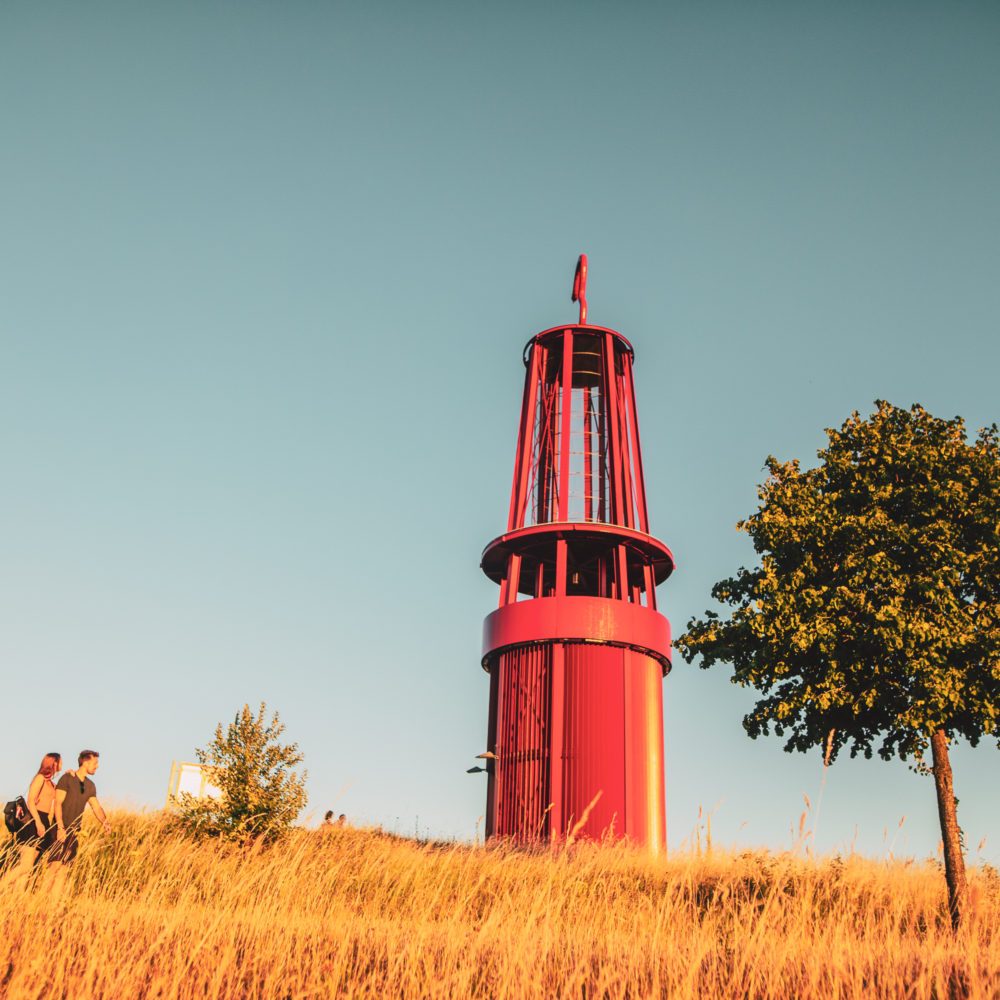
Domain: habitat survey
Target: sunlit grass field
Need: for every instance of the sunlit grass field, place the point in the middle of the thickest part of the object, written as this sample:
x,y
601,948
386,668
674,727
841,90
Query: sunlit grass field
x,y
359,913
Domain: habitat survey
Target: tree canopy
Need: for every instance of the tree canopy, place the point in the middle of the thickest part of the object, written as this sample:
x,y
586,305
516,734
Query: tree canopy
x,y
875,610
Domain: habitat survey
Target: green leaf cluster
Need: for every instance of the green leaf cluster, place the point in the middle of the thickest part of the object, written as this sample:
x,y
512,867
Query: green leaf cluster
x,y
875,611
261,791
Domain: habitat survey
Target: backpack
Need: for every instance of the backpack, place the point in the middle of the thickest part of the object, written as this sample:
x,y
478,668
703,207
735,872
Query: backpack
x,y
15,814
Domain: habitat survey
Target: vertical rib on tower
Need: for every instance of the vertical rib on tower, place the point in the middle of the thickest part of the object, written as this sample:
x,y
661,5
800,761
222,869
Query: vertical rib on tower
x,y
576,650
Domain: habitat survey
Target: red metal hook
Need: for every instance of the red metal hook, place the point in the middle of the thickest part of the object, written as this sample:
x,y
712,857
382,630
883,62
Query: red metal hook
x,y
580,287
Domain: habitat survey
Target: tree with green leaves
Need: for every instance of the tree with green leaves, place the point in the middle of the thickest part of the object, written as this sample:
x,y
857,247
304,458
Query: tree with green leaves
x,y
261,792
873,619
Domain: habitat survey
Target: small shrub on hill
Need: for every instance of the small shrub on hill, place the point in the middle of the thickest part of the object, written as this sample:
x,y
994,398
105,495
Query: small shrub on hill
x,y
261,791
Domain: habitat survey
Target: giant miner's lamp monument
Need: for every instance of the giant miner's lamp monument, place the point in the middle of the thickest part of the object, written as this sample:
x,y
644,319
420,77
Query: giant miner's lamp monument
x,y
576,651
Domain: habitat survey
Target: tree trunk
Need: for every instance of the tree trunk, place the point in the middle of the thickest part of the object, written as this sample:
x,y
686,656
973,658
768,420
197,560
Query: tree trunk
x,y
954,862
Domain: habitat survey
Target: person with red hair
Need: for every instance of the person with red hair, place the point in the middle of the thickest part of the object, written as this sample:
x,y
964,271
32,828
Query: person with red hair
x,y
38,832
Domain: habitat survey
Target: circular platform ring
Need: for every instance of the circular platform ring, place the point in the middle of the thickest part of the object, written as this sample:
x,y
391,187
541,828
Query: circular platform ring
x,y
645,548
578,619
593,331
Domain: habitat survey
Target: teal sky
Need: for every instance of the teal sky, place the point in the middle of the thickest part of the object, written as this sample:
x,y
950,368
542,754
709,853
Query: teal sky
x,y
266,271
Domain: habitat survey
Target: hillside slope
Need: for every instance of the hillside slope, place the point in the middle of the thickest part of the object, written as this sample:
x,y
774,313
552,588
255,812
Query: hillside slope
x,y
360,913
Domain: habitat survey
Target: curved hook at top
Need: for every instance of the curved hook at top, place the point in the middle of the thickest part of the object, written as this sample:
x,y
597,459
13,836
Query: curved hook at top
x,y
580,287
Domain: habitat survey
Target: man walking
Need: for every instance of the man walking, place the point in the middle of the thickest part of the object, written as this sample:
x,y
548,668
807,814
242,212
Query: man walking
x,y
73,792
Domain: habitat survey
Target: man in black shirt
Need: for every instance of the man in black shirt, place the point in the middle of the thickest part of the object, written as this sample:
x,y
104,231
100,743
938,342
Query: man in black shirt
x,y
73,792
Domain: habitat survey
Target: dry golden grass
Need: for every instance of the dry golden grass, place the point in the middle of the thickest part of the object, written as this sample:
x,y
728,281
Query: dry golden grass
x,y
362,914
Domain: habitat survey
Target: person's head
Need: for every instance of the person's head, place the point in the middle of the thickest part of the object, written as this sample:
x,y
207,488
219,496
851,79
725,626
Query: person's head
x,y
328,816
88,760
51,764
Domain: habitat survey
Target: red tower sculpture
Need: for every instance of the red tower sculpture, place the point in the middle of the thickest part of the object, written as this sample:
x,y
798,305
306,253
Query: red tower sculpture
x,y
576,651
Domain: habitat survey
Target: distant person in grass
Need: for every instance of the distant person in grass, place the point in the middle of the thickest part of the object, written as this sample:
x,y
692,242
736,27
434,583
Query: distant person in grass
x,y
73,793
328,821
38,833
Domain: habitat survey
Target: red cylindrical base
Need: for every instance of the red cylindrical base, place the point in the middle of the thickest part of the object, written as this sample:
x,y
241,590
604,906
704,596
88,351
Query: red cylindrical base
x,y
577,729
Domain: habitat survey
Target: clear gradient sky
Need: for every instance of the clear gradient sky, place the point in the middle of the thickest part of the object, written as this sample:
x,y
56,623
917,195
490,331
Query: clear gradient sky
x,y
266,271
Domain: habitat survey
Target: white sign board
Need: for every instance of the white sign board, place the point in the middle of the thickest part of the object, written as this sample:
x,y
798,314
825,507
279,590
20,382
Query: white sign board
x,y
190,779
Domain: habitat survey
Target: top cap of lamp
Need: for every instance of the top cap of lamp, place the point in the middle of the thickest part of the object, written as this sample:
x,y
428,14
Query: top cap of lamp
x,y
580,287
